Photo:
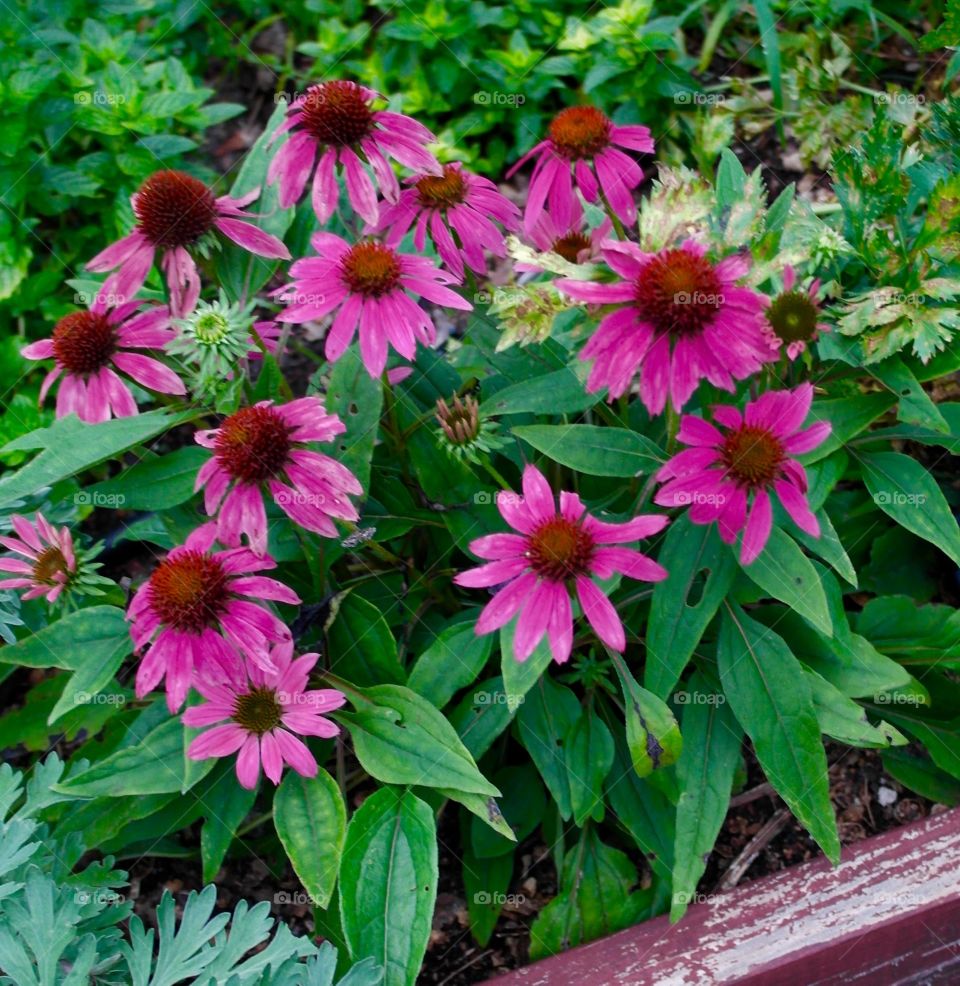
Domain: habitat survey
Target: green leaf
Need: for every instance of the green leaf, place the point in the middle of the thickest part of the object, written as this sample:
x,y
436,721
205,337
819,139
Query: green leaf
x,y
400,738
844,720
848,417
486,881
454,660
154,765
101,658
156,483
905,490
101,631
482,715
916,634
522,806
388,883
770,42
731,179
691,553
828,547
771,698
546,717
362,648
653,735
783,571
70,445
595,899
560,392
311,821
520,676
644,812
588,755
712,738
231,804
921,775
486,810
594,450
916,407
357,399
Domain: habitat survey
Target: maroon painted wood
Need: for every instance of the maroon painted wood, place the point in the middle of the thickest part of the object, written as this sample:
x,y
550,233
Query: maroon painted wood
x,y
888,915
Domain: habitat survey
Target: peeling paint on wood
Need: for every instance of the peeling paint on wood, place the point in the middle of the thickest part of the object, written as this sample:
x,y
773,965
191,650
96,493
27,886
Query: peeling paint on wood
x,y
888,915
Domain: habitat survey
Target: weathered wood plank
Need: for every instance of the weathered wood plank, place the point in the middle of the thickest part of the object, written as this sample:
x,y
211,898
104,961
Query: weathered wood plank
x,y
888,915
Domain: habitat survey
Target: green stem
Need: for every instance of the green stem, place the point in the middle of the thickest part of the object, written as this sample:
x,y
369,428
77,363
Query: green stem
x,y
495,474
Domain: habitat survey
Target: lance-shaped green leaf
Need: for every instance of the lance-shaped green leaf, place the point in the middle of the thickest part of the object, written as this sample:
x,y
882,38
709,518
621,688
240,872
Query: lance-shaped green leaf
x,y
154,765
770,696
70,445
594,450
362,648
785,572
546,717
454,659
845,720
594,898
699,565
400,738
712,738
653,735
388,883
905,490
357,400
589,757
520,676
311,820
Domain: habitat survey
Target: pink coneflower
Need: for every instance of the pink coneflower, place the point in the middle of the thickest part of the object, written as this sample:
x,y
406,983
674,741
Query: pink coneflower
x,y
728,474
90,345
47,563
259,716
368,282
554,553
337,121
575,243
192,611
263,447
680,318
791,318
175,211
456,209
581,147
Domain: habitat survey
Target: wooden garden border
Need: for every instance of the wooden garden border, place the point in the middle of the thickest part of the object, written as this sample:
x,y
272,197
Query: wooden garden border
x,y
888,915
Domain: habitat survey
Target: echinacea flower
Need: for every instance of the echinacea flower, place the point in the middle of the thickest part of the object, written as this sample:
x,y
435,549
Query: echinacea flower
x,y
262,447
727,476
192,613
679,319
176,212
562,249
259,716
553,554
582,148
459,210
47,564
791,318
337,122
368,282
90,345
